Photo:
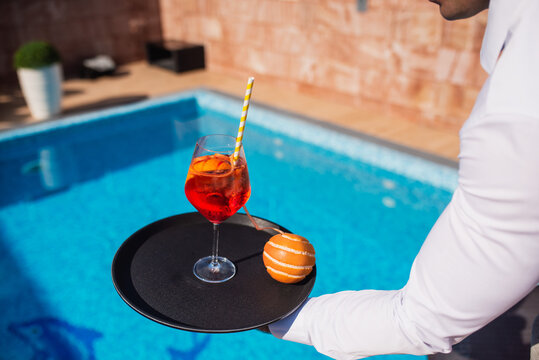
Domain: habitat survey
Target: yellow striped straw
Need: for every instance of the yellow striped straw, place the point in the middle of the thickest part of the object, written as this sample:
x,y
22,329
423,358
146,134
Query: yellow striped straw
x,y
239,138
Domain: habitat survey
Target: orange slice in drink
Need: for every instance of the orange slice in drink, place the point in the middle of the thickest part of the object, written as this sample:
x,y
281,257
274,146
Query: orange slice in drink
x,y
216,164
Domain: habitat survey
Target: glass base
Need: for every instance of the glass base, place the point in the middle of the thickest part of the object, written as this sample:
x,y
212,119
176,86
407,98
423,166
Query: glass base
x,y
218,272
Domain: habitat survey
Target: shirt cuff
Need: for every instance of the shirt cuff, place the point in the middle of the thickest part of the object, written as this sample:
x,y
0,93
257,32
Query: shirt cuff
x,y
293,327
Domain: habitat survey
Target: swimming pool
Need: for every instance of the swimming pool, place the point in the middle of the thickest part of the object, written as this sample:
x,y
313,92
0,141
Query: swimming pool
x,y
71,191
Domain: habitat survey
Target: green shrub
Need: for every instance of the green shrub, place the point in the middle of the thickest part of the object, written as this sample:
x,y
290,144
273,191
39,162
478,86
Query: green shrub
x,y
35,54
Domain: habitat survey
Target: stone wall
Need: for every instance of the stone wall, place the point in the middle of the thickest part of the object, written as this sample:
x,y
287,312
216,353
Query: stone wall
x,y
400,56
79,29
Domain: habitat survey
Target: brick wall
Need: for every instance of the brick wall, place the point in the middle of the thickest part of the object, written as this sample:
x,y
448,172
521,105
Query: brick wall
x,y
400,56
78,28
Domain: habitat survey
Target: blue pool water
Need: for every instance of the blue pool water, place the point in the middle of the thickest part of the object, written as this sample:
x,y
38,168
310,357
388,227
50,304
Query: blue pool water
x,y
73,190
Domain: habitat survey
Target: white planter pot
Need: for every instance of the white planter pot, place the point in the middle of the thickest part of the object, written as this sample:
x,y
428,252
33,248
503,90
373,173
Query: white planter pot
x,y
42,89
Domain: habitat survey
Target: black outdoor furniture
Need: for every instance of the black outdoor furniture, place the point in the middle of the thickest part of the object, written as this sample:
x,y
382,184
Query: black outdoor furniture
x,y
178,56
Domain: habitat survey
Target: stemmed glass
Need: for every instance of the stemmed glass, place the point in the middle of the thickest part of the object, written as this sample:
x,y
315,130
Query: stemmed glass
x,y
217,187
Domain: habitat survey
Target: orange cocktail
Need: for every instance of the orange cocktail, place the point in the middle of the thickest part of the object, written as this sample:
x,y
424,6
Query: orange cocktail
x,y
216,188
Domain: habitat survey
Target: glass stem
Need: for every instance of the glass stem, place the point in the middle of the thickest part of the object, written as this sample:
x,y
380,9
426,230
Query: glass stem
x,y
215,248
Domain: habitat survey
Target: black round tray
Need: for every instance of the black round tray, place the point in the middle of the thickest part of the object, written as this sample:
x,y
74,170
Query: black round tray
x,y
153,273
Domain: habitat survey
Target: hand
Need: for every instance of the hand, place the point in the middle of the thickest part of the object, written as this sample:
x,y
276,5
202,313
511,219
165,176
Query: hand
x,y
264,329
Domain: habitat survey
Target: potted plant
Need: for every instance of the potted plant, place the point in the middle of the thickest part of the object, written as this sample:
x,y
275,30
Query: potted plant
x,y
40,76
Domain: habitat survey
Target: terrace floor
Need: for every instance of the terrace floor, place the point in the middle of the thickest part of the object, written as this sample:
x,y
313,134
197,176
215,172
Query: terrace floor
x,y
137,81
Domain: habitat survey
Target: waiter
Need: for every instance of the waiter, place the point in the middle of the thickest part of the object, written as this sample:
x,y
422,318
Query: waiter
x,y
482,255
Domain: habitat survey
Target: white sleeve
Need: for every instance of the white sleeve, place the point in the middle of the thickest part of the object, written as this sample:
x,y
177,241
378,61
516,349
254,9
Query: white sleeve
x,y
480,258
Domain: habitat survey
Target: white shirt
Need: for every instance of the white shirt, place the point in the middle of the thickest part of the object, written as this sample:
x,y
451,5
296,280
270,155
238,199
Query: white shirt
x,y
482,255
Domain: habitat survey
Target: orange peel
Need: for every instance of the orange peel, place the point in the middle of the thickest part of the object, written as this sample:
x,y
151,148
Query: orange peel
x,y
288,258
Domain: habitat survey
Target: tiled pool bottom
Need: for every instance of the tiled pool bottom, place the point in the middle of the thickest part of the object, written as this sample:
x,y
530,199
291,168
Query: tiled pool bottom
x,y
75,194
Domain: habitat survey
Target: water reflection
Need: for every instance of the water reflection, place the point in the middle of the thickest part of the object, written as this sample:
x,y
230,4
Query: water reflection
x,y
186,132
55,167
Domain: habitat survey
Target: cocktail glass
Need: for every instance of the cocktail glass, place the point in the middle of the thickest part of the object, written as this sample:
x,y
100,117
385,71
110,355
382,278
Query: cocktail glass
x,y
217,188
